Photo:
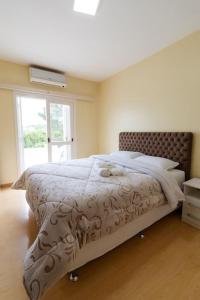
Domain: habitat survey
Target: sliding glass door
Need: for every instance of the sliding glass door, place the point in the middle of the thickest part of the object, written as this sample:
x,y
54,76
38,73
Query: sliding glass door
x,y
44,130
60,138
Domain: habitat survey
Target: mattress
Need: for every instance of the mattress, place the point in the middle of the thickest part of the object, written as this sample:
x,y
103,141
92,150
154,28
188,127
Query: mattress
x,y
178,175
98,248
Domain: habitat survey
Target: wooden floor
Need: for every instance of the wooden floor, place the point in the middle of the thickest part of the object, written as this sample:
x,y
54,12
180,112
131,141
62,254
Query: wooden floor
x,y
165,265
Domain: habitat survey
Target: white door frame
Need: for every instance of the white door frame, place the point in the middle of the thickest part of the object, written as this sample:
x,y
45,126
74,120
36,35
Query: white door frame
x,y
18,122
53,99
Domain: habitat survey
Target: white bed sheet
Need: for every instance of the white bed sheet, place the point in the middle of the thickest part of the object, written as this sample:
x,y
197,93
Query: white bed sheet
x,y
178,175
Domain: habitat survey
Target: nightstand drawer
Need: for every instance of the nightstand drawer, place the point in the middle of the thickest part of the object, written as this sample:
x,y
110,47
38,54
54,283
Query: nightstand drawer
x,y
191,214
192,201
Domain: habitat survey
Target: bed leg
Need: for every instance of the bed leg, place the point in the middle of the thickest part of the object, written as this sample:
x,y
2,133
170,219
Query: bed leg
x,y
141,235
73,276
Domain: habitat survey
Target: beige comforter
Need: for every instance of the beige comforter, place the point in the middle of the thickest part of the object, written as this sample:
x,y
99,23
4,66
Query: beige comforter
x,y
73,205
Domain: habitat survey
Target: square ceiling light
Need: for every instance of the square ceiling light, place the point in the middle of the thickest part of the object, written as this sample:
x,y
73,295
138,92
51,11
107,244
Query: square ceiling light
x,y
88,7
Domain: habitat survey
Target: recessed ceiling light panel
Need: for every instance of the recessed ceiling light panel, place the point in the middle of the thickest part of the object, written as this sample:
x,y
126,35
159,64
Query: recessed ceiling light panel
x,y
88,7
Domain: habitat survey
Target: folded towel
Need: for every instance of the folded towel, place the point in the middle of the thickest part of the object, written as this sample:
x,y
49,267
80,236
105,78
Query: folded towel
x,y
105,165
117,172
104,172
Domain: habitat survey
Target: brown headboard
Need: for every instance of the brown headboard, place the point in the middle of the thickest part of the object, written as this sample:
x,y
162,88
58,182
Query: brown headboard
x,y
173,145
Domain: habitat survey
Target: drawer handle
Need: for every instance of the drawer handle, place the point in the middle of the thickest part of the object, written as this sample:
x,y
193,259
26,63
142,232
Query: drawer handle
x,y
192,216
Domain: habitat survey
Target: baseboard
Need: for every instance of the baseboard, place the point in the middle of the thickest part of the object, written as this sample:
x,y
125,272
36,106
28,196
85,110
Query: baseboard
x,y
6,185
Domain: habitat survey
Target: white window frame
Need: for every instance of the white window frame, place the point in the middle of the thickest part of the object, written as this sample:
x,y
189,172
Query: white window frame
x,y
18,123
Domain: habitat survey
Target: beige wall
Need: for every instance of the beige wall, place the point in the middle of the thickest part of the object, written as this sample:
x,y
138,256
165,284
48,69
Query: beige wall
x,y
86,125
8,163
162,93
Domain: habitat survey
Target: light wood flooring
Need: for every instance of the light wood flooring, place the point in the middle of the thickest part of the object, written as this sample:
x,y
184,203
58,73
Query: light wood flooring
x,y
165,265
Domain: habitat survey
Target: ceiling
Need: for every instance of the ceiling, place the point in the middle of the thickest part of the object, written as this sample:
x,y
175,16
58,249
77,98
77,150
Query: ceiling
x,y
50,34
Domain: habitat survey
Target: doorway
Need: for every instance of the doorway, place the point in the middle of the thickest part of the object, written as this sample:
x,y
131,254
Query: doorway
x,y
44,130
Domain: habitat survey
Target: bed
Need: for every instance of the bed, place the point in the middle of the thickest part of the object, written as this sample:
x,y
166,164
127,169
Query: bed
x,y
55,250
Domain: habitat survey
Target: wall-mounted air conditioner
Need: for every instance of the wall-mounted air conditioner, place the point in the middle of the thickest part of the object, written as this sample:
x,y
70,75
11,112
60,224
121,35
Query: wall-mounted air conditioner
x,y
47,77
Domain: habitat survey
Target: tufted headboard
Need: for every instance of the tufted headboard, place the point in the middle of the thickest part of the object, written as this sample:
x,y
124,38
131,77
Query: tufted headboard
x,y
173,145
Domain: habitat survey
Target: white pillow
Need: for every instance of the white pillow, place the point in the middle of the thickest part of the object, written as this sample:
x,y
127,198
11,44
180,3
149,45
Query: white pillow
x,y
161,162
126,154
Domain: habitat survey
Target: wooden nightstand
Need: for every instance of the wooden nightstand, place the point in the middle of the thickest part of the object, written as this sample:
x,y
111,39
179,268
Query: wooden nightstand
x,y
191,206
